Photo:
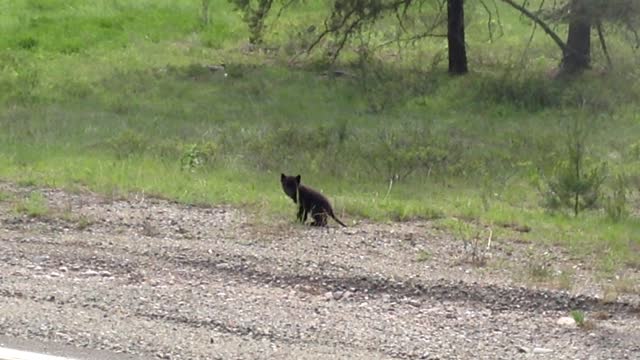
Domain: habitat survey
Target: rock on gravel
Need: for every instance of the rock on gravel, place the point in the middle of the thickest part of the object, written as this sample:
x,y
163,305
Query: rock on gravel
x,y
566,321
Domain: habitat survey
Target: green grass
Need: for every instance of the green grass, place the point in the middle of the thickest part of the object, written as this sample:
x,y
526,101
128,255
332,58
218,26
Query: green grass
x,y
4,196
116,96
579,317
423,256
35,205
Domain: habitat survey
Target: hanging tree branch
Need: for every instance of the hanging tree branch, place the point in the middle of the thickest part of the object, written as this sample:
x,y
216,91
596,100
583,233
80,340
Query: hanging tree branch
x,y
349,16
533,31
603,44
539,21
490,19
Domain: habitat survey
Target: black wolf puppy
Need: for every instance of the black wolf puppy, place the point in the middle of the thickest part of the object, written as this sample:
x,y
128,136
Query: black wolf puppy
x,y
309,200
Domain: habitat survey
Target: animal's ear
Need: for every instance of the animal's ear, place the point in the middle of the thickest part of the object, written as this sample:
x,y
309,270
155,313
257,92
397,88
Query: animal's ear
x,y
282,177
298,179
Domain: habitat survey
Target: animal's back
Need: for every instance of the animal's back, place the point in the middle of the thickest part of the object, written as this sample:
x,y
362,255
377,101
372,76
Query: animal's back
x,y
314,198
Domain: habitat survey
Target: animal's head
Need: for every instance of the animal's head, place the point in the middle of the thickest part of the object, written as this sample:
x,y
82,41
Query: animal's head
x,y
290,186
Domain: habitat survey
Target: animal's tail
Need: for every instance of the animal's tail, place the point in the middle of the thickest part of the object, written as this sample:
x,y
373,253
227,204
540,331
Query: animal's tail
x,y
336,219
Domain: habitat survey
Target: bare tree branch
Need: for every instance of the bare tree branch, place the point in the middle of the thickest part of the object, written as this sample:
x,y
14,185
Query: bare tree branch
x,y
345,37
344,22
497,10
539,21
489,21
284,7
604,44
535,27
411,38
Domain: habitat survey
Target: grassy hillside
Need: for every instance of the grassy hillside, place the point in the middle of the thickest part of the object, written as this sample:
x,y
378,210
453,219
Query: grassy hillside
x,y
116,96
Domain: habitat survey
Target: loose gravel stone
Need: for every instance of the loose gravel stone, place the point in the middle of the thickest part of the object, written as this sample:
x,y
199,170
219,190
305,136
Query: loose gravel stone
x,y
566,321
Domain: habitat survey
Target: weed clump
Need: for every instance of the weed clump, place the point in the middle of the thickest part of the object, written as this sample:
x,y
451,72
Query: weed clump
x,y
196,156
616,204
33,206
474,245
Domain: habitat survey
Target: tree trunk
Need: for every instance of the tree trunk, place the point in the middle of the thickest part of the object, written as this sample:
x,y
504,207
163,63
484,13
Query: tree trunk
x,y
455,36
577,55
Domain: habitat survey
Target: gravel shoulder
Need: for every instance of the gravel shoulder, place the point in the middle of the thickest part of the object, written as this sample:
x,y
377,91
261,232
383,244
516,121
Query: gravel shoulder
x,y
149,277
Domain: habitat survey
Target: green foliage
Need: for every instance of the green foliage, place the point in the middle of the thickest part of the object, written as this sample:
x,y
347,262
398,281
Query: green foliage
x,y
572,188
27,43
254,15
34,206
423,256
575,183
196,156
579,317
616,204
474,245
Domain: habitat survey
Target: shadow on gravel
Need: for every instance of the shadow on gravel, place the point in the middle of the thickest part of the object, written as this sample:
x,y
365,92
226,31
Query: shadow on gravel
x,y
493,297
258,334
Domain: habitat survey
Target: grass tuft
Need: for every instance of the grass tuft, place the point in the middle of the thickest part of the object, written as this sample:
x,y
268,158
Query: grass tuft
x,y
35,205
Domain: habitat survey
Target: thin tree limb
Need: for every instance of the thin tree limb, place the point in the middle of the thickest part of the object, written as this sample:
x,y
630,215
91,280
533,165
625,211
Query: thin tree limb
x,y
284,7
539,21
345,37
497,10
604,45
489,21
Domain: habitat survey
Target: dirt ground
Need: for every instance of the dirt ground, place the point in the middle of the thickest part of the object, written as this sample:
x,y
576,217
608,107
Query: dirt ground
x,y
153,278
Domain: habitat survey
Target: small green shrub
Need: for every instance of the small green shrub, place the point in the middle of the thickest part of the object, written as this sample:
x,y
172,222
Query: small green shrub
x,y
575,183
579,317
581,320
472,238
34,206
27,43
572,188
254,13
196,156
616,204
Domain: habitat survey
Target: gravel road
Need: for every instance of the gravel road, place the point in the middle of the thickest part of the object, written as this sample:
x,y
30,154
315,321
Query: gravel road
x,y
153,278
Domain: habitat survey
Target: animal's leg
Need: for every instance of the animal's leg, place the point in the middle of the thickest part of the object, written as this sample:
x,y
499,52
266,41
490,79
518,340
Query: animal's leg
x,y
323,217
300,211
320,219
